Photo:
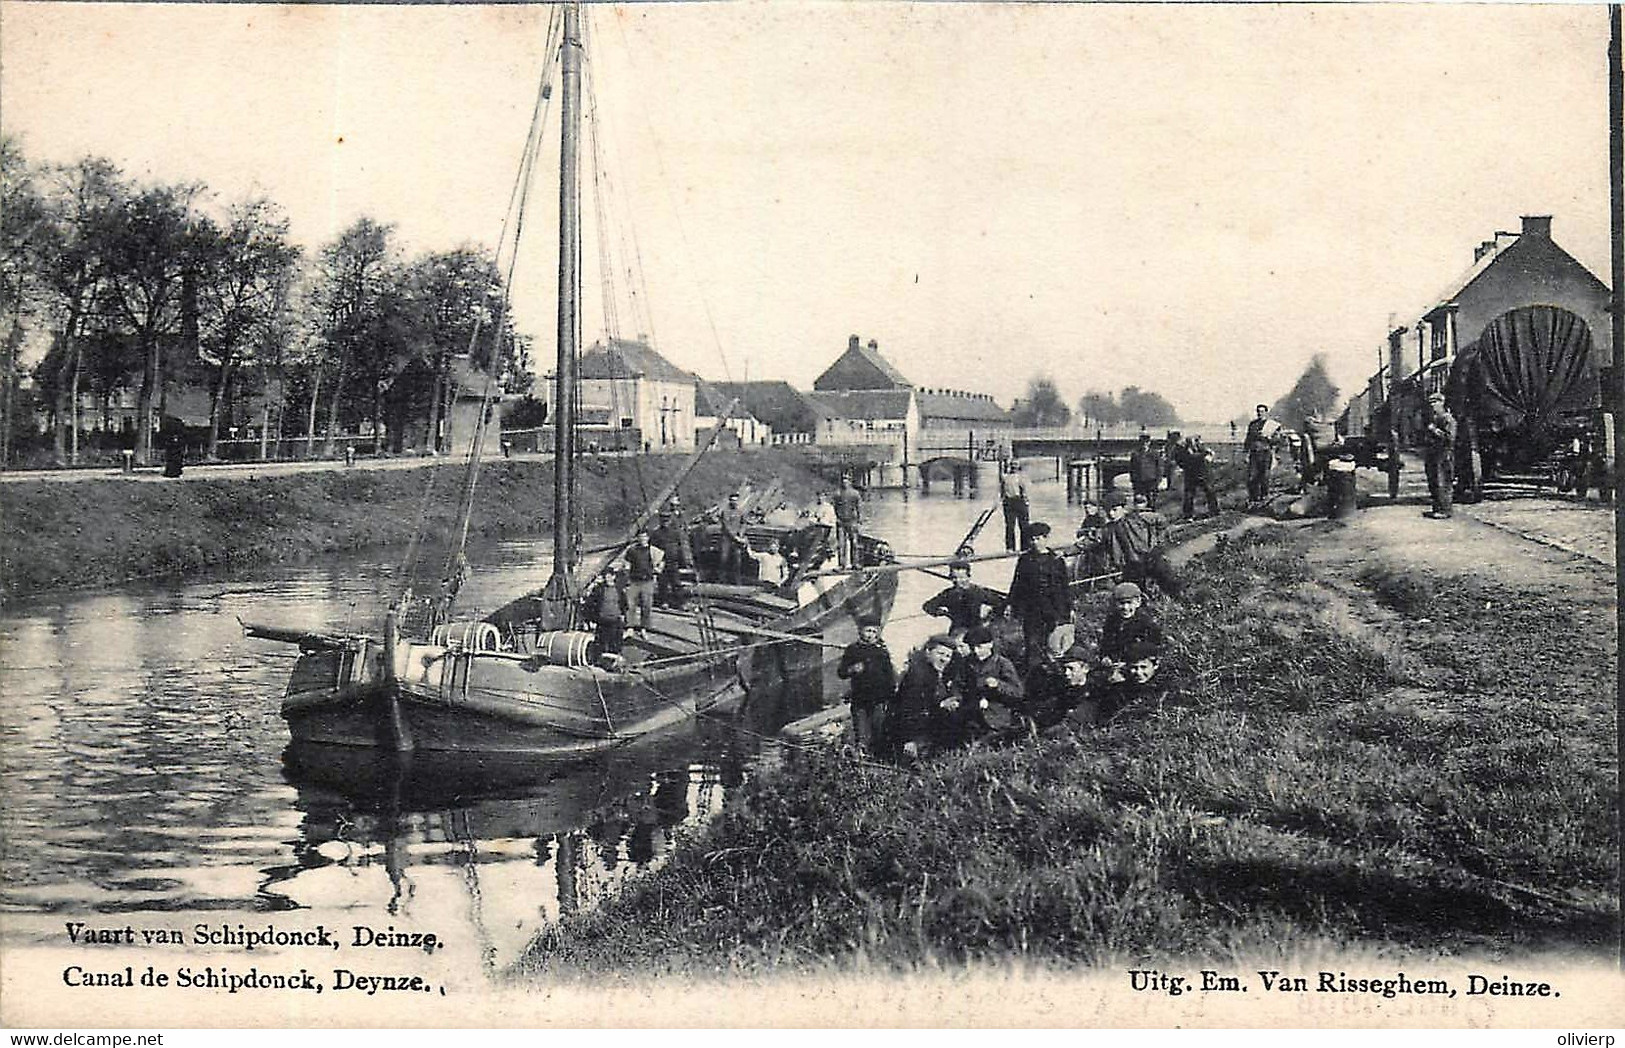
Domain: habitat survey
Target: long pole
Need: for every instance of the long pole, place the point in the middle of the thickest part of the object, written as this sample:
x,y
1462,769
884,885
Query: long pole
x,y
561,586
1614,397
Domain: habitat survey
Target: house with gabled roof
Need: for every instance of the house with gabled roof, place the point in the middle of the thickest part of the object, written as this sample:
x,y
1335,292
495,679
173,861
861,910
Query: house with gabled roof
x,y
630,386
1509,271
791,415
860,367
711,402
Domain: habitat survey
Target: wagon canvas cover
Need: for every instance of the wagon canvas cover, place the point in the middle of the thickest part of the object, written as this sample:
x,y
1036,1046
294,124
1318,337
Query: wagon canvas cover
x,y
1529,371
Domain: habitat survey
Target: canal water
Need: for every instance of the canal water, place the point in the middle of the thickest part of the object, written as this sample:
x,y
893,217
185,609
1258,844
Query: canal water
x,y
148,779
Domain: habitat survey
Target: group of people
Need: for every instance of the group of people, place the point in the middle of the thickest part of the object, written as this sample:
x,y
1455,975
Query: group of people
x,y
959,686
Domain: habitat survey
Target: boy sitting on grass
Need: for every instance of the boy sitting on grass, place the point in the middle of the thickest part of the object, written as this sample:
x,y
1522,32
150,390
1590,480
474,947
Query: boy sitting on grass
x,y
1128,622
989,679
1136,685
1062,698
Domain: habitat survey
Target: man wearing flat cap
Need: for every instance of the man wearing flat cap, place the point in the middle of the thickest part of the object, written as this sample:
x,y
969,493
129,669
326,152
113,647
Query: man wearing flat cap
x,y
963,603
1040,593
1440,440
990,679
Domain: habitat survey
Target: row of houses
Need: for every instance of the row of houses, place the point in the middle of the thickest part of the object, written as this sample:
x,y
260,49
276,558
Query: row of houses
x,y
860,401
1509,271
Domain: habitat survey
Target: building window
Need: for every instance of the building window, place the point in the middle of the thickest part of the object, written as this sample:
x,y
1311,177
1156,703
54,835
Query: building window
x,y
1438,344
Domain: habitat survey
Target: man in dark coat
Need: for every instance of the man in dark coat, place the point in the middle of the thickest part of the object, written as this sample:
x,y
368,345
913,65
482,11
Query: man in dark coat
x,y
1040,593
1439,437
1260,454
672,539
989,679
1145,469
962,603
1060,693
1128,622
928,705
1128,544
1195,462
1136,685
867,663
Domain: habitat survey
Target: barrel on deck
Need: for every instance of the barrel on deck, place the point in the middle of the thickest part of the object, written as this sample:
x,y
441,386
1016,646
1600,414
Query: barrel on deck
x,y
564,647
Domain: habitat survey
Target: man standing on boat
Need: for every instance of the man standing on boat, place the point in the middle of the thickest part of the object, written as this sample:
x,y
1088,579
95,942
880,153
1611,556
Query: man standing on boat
x,y
671,538
643,565
1013,497
848,514
734,543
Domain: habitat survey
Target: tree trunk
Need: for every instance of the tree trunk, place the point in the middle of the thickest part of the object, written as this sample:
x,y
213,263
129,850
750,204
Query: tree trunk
x,y
265,422
333,412
146,401
8,380
217,400
310,427
431,438
73,405
59,440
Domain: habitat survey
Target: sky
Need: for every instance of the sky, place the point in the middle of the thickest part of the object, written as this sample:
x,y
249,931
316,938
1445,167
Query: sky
x,y
1193,199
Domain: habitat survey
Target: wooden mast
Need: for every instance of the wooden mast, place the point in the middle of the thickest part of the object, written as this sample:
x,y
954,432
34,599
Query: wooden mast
x,y
560,593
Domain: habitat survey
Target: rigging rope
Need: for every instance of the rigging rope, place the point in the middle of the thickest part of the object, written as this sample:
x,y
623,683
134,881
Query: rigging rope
x,y
516,196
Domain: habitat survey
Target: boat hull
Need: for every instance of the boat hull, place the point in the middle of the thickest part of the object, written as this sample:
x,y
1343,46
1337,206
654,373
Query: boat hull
x,y
437,698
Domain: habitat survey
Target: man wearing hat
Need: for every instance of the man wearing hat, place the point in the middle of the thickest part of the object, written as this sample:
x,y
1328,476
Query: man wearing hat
x,y
867,663
1145,469
1040,593
928,701
1440,439
1128,544
1128,622
1062,693
964,603
989,678
671,538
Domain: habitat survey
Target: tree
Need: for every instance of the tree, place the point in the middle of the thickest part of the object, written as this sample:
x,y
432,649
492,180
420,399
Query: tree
x,y
459,294
1133,404
153,250
1313,396
348,287
25,228
1099,408
1042,406
1145,407
85,201
244,283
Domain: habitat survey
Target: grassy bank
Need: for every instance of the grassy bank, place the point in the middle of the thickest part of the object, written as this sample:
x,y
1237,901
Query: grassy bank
x,y
94,532
1313,785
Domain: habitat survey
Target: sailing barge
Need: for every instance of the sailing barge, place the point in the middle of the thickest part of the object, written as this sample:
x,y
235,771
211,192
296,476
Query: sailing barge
x,y
528,678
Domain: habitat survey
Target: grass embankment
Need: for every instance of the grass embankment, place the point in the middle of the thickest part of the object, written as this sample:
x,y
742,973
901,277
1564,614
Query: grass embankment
x,y
95,532
1309,788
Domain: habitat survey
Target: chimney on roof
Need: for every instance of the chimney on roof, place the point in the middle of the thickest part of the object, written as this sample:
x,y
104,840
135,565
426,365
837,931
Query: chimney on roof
x,y
1537,226
852,342
1484,248
874,345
